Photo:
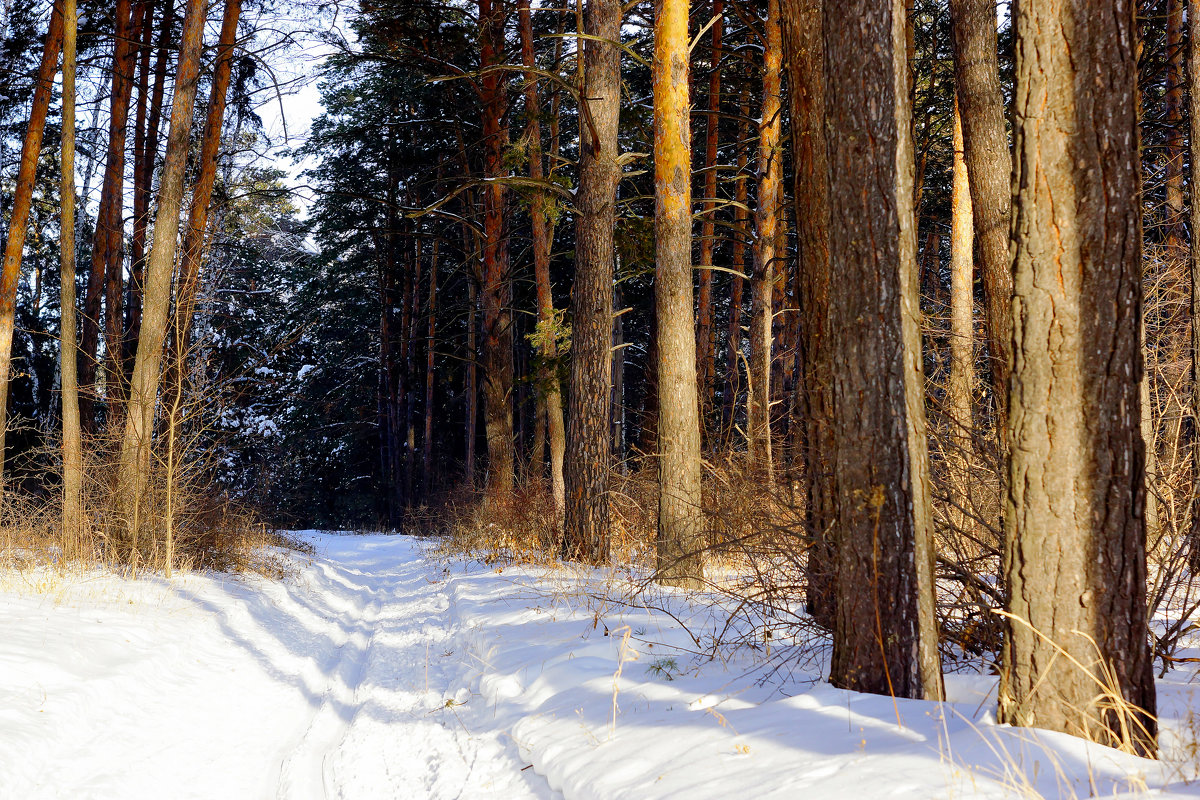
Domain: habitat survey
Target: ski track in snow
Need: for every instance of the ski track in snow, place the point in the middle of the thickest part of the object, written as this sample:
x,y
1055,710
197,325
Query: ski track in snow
x,y
344,683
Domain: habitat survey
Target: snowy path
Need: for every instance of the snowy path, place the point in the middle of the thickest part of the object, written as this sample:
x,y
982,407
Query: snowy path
x,y
377,672
343,683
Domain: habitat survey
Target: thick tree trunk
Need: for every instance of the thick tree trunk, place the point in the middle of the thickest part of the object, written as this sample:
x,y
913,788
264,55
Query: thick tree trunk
x,y
588,454
961,387
814,383
680,514
885,637
766,228
18,222
989,163
705,341
497,344
550,393
1075,552
72,444
134,468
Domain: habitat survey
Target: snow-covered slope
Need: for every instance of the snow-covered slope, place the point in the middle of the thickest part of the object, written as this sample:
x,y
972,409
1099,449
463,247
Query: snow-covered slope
x,y
379,672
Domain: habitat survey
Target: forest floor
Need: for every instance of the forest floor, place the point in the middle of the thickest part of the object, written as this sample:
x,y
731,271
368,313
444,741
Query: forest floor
x,y
381,669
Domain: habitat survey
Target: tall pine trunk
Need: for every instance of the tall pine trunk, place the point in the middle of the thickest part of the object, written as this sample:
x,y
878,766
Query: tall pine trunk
x,y
741,233
1174,100
988,162
814,398
589,454
72,444
885,636
18,222
550,393
135,462
497,339
1075,549
680,514
766,229
960,391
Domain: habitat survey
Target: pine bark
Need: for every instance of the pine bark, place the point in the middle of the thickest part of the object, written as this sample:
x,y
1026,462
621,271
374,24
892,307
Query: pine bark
x,y
1075,557
766,229
588,453
134,466
885,636
989,163
680,514
804,51
495,295
18,223
741,224
549,390
72,444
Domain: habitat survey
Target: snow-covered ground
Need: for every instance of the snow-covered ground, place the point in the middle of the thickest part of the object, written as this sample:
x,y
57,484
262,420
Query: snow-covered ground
x,y
381,671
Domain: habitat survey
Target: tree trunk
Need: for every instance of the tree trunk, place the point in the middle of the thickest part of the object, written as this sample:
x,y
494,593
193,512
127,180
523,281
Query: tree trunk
x,y
1075,557
18,221
680,513
134,465
431,332
471,381
179,345
766,227
112,253
814,399
588,453
497,314
885,637
543,234
962,335
989,163
72,444
144,184
705,342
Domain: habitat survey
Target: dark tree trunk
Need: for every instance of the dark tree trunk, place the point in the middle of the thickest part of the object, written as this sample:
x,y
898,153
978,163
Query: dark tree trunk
x,y
885,636
814,400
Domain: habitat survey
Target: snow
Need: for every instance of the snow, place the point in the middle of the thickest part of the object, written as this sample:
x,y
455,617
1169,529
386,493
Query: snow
x,y
380,670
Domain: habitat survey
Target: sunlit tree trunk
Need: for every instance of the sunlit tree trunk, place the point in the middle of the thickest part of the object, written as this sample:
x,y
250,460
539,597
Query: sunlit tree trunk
x,y
1193,18
72,444
549,391
961,387
885,636
766,228
1075,537
741,234
18,221
588,454
680,515
134,467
